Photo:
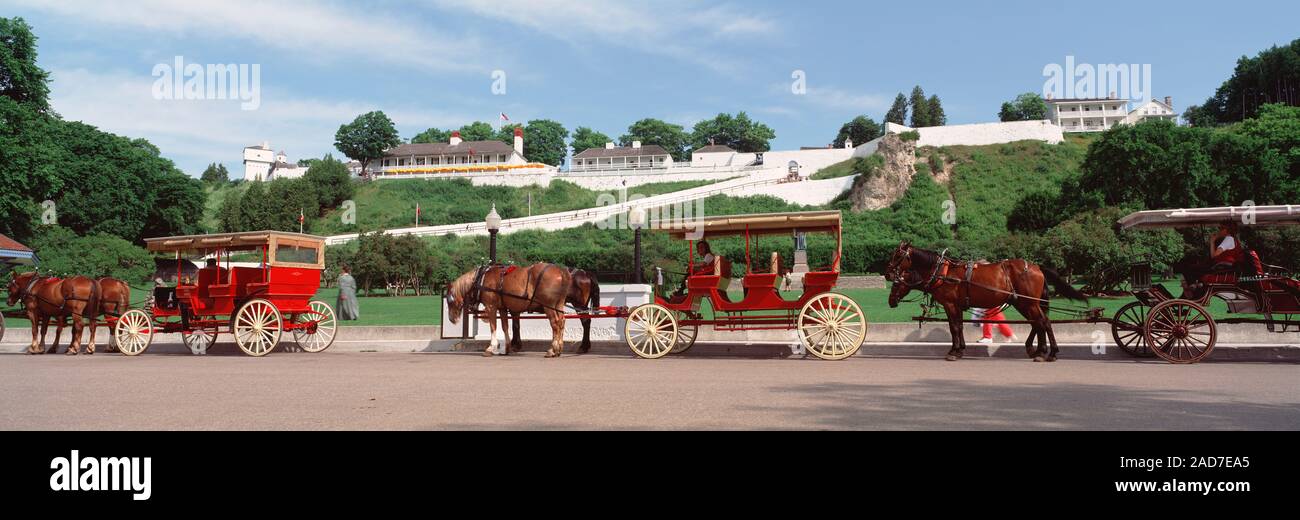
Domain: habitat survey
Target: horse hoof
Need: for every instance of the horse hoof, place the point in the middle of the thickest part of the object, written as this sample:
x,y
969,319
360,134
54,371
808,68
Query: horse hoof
x,y
1051,359
488,353
551,354
1038,359
951,357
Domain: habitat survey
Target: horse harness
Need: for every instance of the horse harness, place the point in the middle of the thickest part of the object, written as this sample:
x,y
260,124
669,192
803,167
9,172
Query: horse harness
x,y
36,279
939,275
502,271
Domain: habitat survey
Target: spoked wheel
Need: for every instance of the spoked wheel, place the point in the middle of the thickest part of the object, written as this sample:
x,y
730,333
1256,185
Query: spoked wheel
x,y
832,326
199,340
1129,329
318,330
133,332
257,328
651,331
1180,331
2,327
686,335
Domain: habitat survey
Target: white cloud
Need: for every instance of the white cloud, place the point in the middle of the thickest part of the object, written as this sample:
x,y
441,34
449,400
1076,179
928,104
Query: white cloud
x,y
323,32
196,132
678,29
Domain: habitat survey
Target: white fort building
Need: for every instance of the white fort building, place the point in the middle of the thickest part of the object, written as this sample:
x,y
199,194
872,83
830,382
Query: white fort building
x,y
261,164
1099,115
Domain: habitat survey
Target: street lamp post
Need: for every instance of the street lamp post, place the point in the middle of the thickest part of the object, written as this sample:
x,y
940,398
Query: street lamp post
x,y
636,220
493,222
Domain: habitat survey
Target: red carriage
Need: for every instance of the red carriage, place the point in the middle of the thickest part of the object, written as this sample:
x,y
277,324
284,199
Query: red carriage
x,y
829,325
255,303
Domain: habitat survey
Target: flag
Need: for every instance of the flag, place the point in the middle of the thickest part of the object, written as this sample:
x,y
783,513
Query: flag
x,y
301,217
504,117
417,211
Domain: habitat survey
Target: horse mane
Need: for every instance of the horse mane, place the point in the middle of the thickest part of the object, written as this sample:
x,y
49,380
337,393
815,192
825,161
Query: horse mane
x,y
923,259
461,285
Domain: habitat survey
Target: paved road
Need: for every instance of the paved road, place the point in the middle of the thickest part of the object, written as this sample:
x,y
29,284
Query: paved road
x,y
341,390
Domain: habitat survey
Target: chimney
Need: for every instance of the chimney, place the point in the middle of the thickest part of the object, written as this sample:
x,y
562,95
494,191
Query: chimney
x,y
519,140
1169,100
455,137
848,142
636,144
609,146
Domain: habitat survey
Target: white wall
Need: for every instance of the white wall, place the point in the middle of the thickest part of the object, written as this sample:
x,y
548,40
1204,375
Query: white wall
x,y
983,133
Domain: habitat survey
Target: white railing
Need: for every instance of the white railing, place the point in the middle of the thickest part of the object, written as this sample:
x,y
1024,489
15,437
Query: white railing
x,y
577,217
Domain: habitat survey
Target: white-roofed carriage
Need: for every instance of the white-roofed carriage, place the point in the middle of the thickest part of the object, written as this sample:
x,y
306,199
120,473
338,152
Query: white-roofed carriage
x,y
1181,329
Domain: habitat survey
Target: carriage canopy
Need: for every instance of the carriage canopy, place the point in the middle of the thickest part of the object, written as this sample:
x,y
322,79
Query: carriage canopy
x,y
1193,217
283,248
756,224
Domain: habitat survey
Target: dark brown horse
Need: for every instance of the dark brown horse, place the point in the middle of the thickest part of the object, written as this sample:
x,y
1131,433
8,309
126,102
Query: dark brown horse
x,y
503,290
958,286
45,298
584,296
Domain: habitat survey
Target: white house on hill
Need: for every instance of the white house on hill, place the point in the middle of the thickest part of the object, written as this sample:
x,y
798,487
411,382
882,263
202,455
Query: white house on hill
x,y
261,164
635,157
429,158
1097,115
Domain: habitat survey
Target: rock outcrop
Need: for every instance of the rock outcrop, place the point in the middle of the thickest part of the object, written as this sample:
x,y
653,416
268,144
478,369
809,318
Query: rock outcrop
x,y
882,186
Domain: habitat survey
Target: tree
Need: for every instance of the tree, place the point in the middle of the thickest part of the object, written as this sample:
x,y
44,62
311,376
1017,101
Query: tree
x,y
366,137
64,253
544,141
330,180
897,113
1026,107
20,78
432,135
672,138
920,108
477,131
584,138
937,117
1272,76
216,174
861,129
739,132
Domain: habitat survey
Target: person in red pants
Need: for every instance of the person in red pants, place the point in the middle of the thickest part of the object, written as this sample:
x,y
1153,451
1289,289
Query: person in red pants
x,y
995,314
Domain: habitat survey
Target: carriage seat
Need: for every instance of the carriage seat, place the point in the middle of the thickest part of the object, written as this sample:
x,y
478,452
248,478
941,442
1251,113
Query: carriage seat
x,y
764,279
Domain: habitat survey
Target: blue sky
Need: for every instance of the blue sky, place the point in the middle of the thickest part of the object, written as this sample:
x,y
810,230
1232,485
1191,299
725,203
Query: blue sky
x,y
604,63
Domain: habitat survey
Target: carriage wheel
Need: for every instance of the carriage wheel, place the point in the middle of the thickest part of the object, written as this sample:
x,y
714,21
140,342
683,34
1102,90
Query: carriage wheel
x,y
832,326
686,335
133,332
199,340
1129,329
2,327
1180,331
257,328
651,331
319,337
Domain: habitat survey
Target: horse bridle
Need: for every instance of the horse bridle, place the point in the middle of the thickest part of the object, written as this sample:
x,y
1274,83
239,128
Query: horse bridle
x,y
896,274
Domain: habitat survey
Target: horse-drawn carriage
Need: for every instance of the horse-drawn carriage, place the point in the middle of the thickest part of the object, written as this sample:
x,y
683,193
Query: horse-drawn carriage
x,y
829,325
1181,329
13,254
256,304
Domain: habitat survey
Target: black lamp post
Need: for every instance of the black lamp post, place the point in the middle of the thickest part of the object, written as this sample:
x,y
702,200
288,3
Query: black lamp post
x,y
636,220
493,222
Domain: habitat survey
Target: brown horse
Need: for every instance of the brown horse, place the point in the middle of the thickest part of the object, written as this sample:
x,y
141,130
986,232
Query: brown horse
x,y
114,300
45,298
584,296
958,286
503,290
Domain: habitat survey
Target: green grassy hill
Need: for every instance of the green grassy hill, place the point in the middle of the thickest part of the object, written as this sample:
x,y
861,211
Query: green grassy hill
x,y
391,203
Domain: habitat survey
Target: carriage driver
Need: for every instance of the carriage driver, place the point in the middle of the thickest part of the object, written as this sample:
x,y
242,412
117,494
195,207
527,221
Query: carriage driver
x,y
706,258
1226,250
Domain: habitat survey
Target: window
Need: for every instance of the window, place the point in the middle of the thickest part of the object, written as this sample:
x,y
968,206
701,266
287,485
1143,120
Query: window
x,y
419,161
401,162
501,157
296,254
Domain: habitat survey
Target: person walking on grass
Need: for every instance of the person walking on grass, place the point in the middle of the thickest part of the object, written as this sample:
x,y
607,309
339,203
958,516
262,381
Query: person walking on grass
x,y
347,302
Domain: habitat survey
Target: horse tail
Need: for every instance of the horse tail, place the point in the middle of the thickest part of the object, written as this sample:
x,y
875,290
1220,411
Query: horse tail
x,y
1062,287
593,295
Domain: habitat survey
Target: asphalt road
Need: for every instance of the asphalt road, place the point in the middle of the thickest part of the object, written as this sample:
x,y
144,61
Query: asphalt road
x,y
343,390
